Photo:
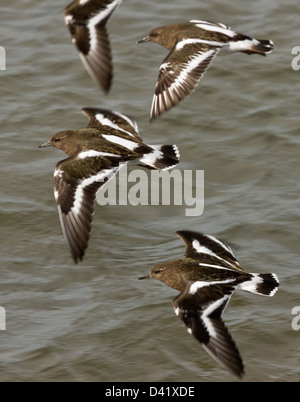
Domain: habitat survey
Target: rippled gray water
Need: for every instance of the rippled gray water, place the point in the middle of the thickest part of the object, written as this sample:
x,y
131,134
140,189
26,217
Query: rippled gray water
x,y
96,321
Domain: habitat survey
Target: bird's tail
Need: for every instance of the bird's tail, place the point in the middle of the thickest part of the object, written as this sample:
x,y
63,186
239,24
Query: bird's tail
x,y
160,156
248,45
262,46
262,284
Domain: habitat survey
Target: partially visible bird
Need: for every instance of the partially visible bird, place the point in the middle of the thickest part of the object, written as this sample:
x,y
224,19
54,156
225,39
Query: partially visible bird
x,y
87,20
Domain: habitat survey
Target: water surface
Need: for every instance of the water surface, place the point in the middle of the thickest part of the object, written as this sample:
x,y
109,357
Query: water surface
x,y
96,321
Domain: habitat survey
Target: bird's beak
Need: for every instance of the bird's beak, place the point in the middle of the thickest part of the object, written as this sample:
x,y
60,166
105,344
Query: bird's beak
x,y
146,39
145,277
47,144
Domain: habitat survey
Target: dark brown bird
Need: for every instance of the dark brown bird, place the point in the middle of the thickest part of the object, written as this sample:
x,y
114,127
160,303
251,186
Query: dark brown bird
x,y
206,277
193,45
95,155
87,22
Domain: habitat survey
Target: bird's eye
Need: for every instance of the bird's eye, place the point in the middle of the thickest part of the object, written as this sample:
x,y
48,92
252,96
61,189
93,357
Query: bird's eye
x,y
57,139
157,271
154,34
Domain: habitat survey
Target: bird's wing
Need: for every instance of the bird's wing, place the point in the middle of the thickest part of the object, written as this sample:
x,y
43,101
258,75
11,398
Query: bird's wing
x,y
76,181
209,250
200,307
87,24
180,73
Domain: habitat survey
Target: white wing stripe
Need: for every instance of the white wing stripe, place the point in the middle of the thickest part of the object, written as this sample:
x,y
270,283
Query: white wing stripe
x,y
221,28
201,284
202,264
99,177
98,18
185,42
107,122
211,308
202,249
91,153
227,248
132,123
120,141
